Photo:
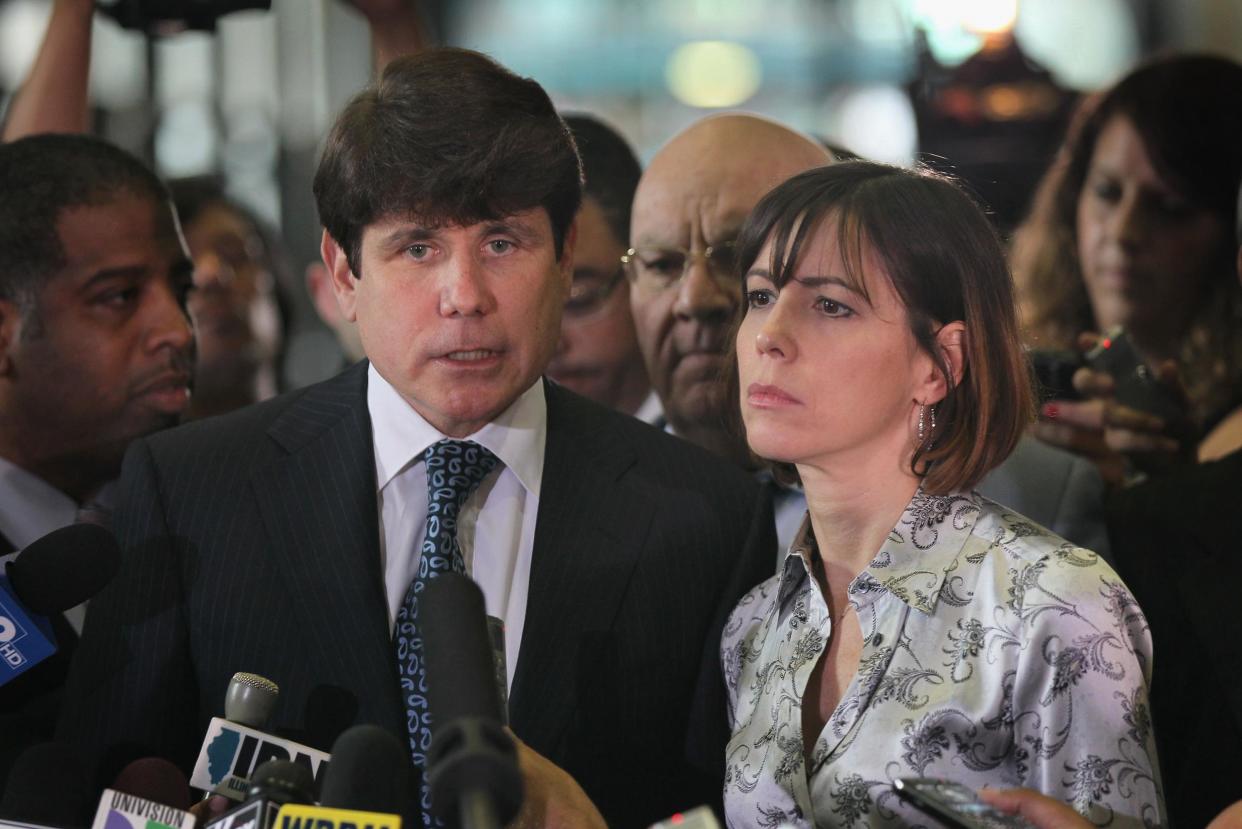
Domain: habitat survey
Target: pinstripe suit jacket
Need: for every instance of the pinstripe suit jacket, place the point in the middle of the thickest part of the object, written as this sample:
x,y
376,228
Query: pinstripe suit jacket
x,y
251,543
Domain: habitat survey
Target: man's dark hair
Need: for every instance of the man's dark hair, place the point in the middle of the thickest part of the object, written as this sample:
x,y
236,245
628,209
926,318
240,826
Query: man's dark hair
x,y
610,170
40,177
449,136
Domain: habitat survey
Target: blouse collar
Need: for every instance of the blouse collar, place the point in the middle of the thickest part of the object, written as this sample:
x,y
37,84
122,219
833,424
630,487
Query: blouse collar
x,y
913,564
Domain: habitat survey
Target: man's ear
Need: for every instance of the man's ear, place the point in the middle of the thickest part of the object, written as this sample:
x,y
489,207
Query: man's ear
x,y
568,246
10,334
951,342
344,283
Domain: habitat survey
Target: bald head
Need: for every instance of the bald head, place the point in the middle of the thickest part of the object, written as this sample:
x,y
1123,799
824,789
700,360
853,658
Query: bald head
x,y
733,160
695,194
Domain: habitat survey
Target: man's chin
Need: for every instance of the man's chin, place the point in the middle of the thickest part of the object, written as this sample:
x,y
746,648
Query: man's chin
x,y
703,405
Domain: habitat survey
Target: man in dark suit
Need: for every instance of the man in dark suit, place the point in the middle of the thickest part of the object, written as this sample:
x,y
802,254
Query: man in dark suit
x,y
284,539
95,350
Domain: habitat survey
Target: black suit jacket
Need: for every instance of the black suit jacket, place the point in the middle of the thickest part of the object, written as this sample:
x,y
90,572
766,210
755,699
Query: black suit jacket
x,y
251,543
1177,547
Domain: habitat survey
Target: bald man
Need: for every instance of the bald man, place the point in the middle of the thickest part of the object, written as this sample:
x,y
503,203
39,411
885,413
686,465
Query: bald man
x,y
688,209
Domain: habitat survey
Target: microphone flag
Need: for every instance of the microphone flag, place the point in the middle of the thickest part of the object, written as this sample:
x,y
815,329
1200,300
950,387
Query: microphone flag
x,y
300,816
231,752
118,810
25,638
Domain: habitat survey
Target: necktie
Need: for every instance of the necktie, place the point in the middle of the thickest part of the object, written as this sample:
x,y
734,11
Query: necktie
x,y
455,469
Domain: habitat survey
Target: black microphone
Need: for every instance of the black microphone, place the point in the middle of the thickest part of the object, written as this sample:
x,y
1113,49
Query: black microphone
x,y
48,785
65,568
370,772
274,784
472,764
147,794
154,778
62,569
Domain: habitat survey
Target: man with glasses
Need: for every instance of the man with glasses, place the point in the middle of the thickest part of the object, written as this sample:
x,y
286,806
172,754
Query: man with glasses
x,y
597,354
688,209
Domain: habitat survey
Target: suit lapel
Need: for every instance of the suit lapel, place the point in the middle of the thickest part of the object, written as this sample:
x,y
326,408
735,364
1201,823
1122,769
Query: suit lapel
x,y
590,531
319,509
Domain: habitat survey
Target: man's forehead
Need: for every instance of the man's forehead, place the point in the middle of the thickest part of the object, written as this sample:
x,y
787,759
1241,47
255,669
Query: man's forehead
x,y
715,199
126,229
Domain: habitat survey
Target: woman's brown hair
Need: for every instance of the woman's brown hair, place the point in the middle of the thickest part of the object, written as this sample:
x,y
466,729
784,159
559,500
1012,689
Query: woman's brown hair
x,y
946,264
1186,109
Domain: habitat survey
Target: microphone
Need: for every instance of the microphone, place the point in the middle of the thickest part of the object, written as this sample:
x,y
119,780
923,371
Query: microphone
x,y
60,570
155,779
250,699
235,746
366,788
65,567
47,785
150,793
370,772
276,784
472,763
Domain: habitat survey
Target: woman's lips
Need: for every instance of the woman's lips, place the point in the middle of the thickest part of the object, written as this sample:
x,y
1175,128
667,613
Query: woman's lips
x,y
764,396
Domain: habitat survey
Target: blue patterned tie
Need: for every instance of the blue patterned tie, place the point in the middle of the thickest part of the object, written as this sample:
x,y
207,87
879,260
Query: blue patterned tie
x,y
455,468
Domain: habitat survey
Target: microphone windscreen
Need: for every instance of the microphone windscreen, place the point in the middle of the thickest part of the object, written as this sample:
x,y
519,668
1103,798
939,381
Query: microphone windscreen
x,y
370,772
154,778
283,780
48,785
249,699
65,568
457,651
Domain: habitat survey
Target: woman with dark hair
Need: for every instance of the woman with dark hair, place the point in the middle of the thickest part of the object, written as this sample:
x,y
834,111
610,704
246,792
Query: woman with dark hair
x,y
915,628
239,308
1132,228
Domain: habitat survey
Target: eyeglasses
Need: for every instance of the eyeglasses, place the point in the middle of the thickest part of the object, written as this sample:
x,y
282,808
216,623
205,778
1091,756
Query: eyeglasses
x,y
661,268
589,293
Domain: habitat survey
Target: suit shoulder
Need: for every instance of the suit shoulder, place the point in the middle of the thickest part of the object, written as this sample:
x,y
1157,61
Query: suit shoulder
x,y
290,417
675,460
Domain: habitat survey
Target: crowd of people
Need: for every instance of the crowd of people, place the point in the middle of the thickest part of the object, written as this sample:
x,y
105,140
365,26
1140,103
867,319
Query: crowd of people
x,y
745,449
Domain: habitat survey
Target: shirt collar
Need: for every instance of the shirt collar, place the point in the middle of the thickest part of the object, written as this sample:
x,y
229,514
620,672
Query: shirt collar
x,y
517,436
31,507
921,550
651,410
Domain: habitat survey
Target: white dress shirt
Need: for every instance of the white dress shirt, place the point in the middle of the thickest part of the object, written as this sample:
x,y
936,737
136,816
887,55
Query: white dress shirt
x,y
30,508
651,411
496,528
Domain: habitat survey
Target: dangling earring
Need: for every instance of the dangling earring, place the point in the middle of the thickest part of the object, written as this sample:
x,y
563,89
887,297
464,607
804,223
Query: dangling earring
x,y
933,418
922,424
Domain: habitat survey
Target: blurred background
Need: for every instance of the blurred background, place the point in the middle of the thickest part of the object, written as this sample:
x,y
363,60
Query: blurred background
x,y
979,87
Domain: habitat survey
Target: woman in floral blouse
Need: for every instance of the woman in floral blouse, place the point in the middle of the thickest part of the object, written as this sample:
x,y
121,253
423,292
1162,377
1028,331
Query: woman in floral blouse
x,y
915,628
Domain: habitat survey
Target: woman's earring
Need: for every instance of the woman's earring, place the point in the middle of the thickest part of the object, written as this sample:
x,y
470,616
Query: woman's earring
x,y
922,423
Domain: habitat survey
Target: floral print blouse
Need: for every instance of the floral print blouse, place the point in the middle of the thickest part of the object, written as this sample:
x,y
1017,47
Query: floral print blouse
x,y
994,653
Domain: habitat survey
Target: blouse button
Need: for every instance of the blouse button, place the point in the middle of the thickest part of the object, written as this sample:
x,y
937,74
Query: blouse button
x,y
878,639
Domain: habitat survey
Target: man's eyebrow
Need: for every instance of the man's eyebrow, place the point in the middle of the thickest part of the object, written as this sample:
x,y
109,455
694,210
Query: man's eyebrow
x,y
514,227
104,275
406,235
